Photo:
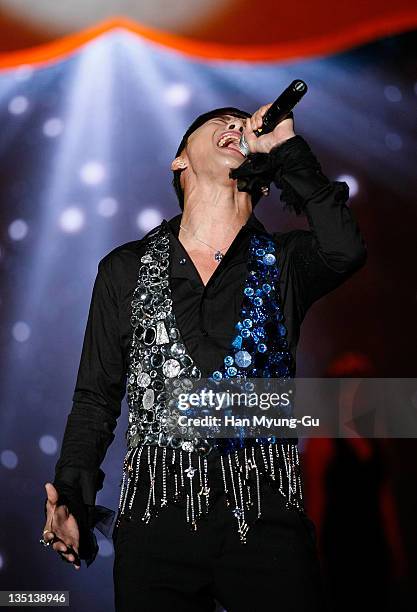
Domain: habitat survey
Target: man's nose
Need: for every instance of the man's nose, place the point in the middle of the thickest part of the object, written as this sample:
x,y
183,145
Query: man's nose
x,y
233,125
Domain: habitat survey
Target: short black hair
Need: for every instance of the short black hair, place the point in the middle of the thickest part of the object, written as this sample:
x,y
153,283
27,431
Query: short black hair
x,y
217,112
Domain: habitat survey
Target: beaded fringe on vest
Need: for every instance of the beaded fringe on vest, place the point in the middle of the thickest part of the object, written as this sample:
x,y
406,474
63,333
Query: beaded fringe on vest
x,y
183,479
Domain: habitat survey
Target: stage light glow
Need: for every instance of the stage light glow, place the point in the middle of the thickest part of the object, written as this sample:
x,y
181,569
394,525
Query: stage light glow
x,y
392,93
48,444
18,229
393,141
53,127
352,183
92,173
148,218
178,94
21,331
8,459
71,220
1,562
18,105
24,72
107,207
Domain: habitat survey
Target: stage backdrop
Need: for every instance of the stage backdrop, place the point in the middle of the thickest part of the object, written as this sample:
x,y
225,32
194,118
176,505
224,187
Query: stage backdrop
x,y
87,136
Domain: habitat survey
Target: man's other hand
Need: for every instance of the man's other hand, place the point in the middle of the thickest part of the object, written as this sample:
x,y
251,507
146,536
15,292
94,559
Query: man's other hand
x,y
61,528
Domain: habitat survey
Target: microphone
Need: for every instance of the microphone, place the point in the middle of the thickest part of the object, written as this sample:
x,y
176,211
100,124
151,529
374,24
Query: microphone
x,y
277,111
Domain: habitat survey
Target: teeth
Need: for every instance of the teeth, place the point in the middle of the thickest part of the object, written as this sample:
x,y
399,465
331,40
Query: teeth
x,y
225,140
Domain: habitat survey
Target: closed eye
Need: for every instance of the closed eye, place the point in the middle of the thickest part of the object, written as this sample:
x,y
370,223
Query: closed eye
x,y
225,119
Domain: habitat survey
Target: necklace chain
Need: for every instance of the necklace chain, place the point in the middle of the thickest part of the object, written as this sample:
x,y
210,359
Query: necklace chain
x,y
218,253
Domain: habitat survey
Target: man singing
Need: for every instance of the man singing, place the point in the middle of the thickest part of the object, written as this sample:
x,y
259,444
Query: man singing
x,y
208,294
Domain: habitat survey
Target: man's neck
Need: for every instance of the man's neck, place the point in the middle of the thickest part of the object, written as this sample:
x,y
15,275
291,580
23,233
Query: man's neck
x,y
217,223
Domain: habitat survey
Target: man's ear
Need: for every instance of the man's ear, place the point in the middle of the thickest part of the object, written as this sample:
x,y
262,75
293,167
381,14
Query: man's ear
x,y
178,163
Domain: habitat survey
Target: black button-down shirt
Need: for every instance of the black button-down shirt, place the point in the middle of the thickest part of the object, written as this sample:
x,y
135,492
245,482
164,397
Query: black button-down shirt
x,y
207,314
311,262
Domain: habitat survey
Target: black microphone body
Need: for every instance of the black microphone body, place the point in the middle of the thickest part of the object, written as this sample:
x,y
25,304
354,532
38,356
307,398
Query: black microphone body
x,y
282,106
279,109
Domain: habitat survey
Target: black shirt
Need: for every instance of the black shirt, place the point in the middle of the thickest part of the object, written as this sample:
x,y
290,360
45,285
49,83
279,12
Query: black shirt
x,y
311,262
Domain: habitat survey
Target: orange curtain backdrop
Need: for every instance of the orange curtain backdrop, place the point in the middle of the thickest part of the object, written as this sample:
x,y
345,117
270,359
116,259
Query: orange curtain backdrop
x,y
329,24
268,33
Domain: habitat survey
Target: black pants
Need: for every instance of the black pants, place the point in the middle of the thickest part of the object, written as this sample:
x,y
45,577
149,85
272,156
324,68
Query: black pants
x,y
164,566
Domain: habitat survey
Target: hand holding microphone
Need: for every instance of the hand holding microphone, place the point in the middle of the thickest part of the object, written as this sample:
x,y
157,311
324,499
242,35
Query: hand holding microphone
x,y
272,123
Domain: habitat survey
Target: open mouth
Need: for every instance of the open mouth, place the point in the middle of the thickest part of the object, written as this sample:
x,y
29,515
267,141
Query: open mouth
x,y
230,142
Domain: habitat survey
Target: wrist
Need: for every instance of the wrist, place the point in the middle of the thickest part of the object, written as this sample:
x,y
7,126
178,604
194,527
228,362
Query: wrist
x,y
268,147
281,142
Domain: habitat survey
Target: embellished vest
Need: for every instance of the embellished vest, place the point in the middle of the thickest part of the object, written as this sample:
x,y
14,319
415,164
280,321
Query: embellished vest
x,y
174,458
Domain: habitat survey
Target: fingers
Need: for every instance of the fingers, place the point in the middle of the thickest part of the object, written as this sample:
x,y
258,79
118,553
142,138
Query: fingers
x,y
71,556
68,552
48,535
60,547
253,123
50,508
56,518
66,541
257,117
51,493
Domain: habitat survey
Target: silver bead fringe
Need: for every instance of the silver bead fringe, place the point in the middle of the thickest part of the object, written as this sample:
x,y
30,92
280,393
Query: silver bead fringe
x,y
176,476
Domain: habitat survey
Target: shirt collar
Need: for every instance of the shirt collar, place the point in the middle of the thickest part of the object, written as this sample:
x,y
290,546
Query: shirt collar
x,y
181,270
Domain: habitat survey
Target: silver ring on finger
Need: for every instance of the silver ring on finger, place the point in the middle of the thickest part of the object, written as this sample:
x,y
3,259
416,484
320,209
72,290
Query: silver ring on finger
x,y
47,542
